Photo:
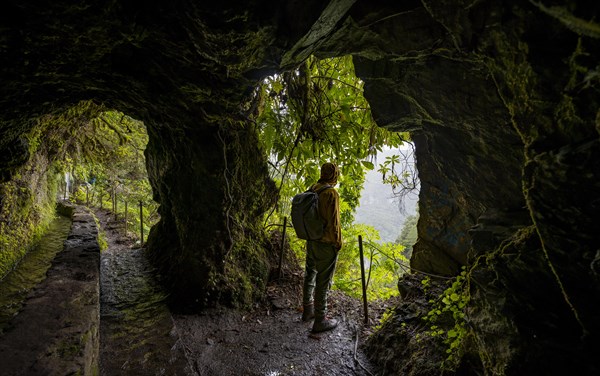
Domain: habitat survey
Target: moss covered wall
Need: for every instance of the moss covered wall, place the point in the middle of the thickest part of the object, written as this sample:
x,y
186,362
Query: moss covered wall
x,y
213,191
27,204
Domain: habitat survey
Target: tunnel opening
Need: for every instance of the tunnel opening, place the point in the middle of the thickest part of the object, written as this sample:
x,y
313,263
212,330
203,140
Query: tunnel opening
x,y
105,168
87,154
317,113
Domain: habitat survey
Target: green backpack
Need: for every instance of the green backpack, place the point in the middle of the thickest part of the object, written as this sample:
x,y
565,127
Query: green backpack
x,y
305,214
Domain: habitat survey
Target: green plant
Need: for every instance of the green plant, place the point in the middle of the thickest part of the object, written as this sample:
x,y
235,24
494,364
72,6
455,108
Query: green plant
x,y
102,243
315,114
426,282
446,319
382,264
385,317
401,174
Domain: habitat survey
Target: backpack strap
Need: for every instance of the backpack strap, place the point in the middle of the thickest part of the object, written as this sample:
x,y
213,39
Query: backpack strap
x,y
322,189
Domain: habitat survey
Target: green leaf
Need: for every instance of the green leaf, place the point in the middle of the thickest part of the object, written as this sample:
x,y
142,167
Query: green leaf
x,y
277,86
368,165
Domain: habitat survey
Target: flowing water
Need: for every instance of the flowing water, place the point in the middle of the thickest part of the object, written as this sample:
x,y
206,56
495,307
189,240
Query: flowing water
x,y
136,327
31,270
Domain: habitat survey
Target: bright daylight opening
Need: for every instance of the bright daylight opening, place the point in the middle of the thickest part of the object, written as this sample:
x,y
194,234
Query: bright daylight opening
x,y
318,114
104,167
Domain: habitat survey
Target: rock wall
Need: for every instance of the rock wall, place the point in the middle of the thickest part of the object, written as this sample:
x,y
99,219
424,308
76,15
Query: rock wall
x,y
26,207
469,158
506,128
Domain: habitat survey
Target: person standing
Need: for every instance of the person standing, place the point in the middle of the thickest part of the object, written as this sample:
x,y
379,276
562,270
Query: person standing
x,y
321,255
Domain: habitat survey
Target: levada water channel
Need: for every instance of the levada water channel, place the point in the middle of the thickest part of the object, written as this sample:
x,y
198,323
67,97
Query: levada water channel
x,y
136,327
31,270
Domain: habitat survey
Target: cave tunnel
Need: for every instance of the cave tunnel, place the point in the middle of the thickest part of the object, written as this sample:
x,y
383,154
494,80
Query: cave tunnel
x,y
501,99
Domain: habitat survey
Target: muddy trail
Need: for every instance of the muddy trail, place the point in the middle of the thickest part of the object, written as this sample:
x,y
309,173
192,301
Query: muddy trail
x,y
140,336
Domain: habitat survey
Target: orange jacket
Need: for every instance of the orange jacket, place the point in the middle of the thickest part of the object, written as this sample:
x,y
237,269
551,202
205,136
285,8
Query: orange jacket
x,y
329,208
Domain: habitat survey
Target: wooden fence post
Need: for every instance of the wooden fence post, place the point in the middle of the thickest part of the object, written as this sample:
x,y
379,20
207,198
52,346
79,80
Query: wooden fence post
x,y
362,276
282,247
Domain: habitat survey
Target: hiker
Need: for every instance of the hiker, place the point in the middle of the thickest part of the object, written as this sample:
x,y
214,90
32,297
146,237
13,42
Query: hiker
x,y
321,255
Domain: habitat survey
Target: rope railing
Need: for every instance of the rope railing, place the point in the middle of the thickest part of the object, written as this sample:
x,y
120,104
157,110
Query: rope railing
x,y
96,196
407,268
364,280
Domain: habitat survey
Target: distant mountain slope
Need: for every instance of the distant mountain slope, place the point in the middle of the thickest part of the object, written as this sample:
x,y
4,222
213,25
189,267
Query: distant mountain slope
x,y
379,208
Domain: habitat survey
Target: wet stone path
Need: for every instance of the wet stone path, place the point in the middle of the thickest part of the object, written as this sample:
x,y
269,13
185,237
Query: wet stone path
x,y
271,344
56,330
136,328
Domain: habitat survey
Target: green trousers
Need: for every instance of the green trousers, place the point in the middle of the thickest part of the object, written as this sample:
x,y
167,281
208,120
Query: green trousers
x,y
320,265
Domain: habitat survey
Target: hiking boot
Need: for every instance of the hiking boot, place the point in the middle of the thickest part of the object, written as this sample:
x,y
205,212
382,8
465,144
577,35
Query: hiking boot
x,y
308,313
324,324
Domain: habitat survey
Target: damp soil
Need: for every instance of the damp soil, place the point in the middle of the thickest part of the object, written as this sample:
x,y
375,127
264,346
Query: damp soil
x,y
270,341
140,336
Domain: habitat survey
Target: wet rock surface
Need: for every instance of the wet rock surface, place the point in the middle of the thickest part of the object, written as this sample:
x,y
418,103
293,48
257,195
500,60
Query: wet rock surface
x,y
56,333
402,345
136,328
